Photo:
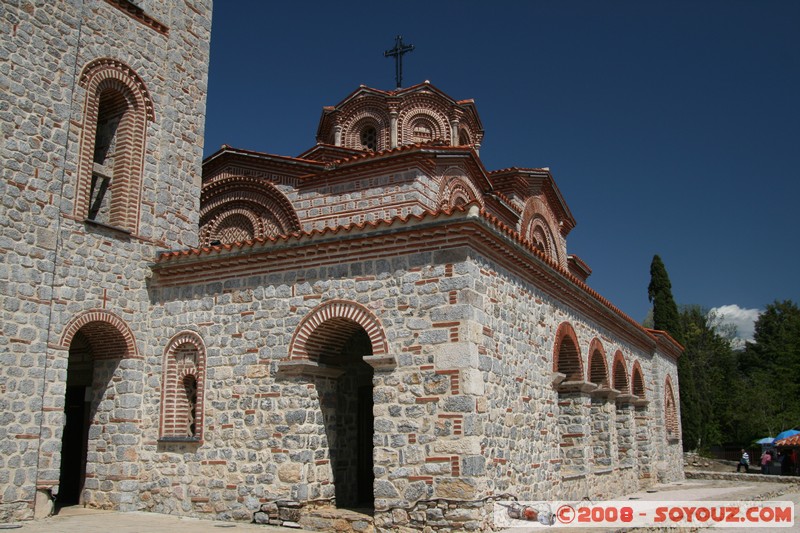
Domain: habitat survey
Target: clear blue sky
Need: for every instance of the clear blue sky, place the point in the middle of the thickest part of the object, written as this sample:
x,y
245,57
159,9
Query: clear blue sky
x,y
671,127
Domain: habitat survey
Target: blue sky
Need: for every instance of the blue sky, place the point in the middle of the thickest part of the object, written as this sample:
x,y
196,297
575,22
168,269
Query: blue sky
x,y
671,127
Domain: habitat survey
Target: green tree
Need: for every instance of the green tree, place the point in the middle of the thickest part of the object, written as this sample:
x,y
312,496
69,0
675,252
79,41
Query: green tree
x,y
714,372
771,364
666,318
659,292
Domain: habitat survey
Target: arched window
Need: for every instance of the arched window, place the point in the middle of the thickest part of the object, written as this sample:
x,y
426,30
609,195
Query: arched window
x,y
620,374
670,412
637,381
369,139
422,133
182,388
567,356
598,374
116,111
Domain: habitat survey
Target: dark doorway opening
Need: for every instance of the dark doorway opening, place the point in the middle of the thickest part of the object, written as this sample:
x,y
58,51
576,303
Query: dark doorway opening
x,y
77,410
353,428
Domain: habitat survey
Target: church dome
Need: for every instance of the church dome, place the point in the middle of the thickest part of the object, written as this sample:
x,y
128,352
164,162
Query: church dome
x,y
373,120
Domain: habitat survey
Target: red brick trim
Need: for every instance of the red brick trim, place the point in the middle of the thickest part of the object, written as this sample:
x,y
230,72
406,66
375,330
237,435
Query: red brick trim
x,y
184,356
269,211
421,113
456,189
331,323
637,381
598,369
106,74
671,424
537,224
365,113
567,357
427,232
109,334
620,371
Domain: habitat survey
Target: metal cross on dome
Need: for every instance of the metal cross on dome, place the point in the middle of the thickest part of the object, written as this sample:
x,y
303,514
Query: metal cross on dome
x,y
398,51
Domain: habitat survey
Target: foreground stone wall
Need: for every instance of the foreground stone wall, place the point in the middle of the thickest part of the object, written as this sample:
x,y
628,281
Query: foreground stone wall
x,y
56,267
468,415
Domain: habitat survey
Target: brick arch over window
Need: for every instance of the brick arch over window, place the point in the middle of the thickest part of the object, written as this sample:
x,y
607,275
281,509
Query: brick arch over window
x,y
671,423
260,207
539,227
238,225
412,119
109,335
566,354
598,369
637,381
183,388
116,110
620,373
455,190
327,327
359,121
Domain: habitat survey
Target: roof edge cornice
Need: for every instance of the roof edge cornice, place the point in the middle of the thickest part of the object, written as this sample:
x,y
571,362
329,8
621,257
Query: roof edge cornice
x,y
456,227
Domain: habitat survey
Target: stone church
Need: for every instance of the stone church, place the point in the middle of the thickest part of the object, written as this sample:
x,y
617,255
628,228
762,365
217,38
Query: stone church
x,y
380,322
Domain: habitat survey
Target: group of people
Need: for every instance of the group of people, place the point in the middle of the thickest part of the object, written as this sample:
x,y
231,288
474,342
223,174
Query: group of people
x,y
786,458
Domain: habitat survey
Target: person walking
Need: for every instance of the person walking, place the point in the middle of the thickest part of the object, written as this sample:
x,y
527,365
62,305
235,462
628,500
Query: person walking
x,y
744,462
766,459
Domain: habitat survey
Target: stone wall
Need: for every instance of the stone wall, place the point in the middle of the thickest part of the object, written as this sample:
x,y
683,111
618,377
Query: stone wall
x,y
468,415
57,267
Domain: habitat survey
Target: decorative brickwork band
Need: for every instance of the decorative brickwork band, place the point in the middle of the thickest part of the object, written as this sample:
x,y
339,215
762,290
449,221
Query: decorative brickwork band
x,y
330,325
239,208
539,227
183,385
108,334
355,132
456,190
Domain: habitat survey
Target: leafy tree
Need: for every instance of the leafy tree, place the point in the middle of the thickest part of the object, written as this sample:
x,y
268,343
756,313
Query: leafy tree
x,y
771,364
713,368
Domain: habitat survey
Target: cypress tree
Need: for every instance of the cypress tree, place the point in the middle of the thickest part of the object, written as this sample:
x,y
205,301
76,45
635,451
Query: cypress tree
x,y
659,292
666,318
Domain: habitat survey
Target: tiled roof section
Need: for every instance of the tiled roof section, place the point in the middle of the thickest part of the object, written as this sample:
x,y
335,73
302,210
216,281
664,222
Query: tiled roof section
x,y
227,155
225,149
444,216
524,181
328,152
467,106
667,343
164,257
427,150
508,202
578,267
426,85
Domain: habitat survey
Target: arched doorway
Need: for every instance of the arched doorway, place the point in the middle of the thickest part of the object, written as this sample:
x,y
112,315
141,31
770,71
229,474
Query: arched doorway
x,y
77,412
335,345
350,434
93,396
